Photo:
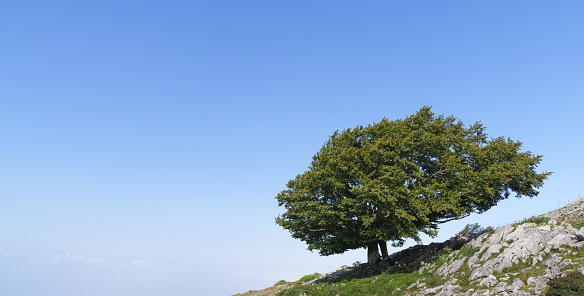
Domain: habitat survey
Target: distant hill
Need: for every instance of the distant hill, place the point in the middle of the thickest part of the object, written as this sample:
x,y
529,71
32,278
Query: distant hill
x,y
542,255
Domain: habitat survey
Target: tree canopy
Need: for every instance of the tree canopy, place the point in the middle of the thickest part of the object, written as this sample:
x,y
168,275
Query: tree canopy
x,y
392,180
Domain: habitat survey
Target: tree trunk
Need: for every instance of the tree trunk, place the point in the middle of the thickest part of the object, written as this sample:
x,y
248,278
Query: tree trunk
x,y
383,247
372,254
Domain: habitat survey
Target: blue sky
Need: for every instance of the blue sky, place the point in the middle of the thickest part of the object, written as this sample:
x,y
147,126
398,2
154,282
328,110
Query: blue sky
x,y
143,142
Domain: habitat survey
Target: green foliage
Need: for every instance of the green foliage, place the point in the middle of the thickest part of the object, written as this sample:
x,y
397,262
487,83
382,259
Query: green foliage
x,y
393,180
309,277
574,254
295,291
380,284
474,230
539,220
570,285
468,250
280,282
577,224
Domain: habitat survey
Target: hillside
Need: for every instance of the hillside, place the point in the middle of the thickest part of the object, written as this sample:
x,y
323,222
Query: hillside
x,y
523,258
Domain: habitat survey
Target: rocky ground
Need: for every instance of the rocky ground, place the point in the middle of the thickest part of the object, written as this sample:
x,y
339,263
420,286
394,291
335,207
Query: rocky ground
x,y
515,259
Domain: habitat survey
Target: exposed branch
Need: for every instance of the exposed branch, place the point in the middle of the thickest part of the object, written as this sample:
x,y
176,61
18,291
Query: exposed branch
x,y
452,219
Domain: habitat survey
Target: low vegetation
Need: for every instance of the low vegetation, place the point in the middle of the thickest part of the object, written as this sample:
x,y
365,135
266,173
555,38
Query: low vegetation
x,y
570,285
420,268
474,230
537,220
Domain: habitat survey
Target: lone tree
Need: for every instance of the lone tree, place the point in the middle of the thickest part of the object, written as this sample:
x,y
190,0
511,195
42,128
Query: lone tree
x,y
393,180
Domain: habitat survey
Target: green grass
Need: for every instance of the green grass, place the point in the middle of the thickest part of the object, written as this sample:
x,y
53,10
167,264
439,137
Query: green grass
x,y
577,224
441,260
364,280
538,220
468,251
382,284
281,282
474,230
571,285
309,277
359,281
523,268
576,255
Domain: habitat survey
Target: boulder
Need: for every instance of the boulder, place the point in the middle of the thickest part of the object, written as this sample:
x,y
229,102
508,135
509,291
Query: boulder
x,y
473,259
493,249
451,268
489,281
579,235
483,271
431,291
540,284
553,269
518,283
499,234
449,289
500,287
560,239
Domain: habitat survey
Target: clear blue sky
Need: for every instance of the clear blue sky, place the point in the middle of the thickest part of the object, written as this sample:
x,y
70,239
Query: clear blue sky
x,y
143,142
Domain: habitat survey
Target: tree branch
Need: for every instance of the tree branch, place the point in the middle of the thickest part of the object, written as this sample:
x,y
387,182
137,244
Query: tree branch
x,y
452,219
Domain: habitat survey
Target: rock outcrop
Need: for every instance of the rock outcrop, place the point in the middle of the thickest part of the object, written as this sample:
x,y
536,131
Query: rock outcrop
x,y
538,248
516,259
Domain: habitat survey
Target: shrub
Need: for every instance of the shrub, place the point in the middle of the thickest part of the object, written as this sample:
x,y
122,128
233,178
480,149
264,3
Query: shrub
x,y
474,230
295,291
538,220
578,224
570,285
310,277
280,282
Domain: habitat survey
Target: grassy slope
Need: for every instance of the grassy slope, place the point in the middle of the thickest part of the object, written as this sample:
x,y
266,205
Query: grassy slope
x,y
362,280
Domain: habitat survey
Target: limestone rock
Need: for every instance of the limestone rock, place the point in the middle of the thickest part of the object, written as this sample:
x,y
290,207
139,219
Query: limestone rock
x,y
540,284
553,269
493,249
518,283
500,287
559,230
566,262
489,281
577,245
456,265
506,246
580,235
431,291
570,229
447,269
527,242
483,271
473,259
449,289
499,234
560,239
337,272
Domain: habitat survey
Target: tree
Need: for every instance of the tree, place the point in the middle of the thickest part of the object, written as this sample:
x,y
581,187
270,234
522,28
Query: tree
x,y
392,180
